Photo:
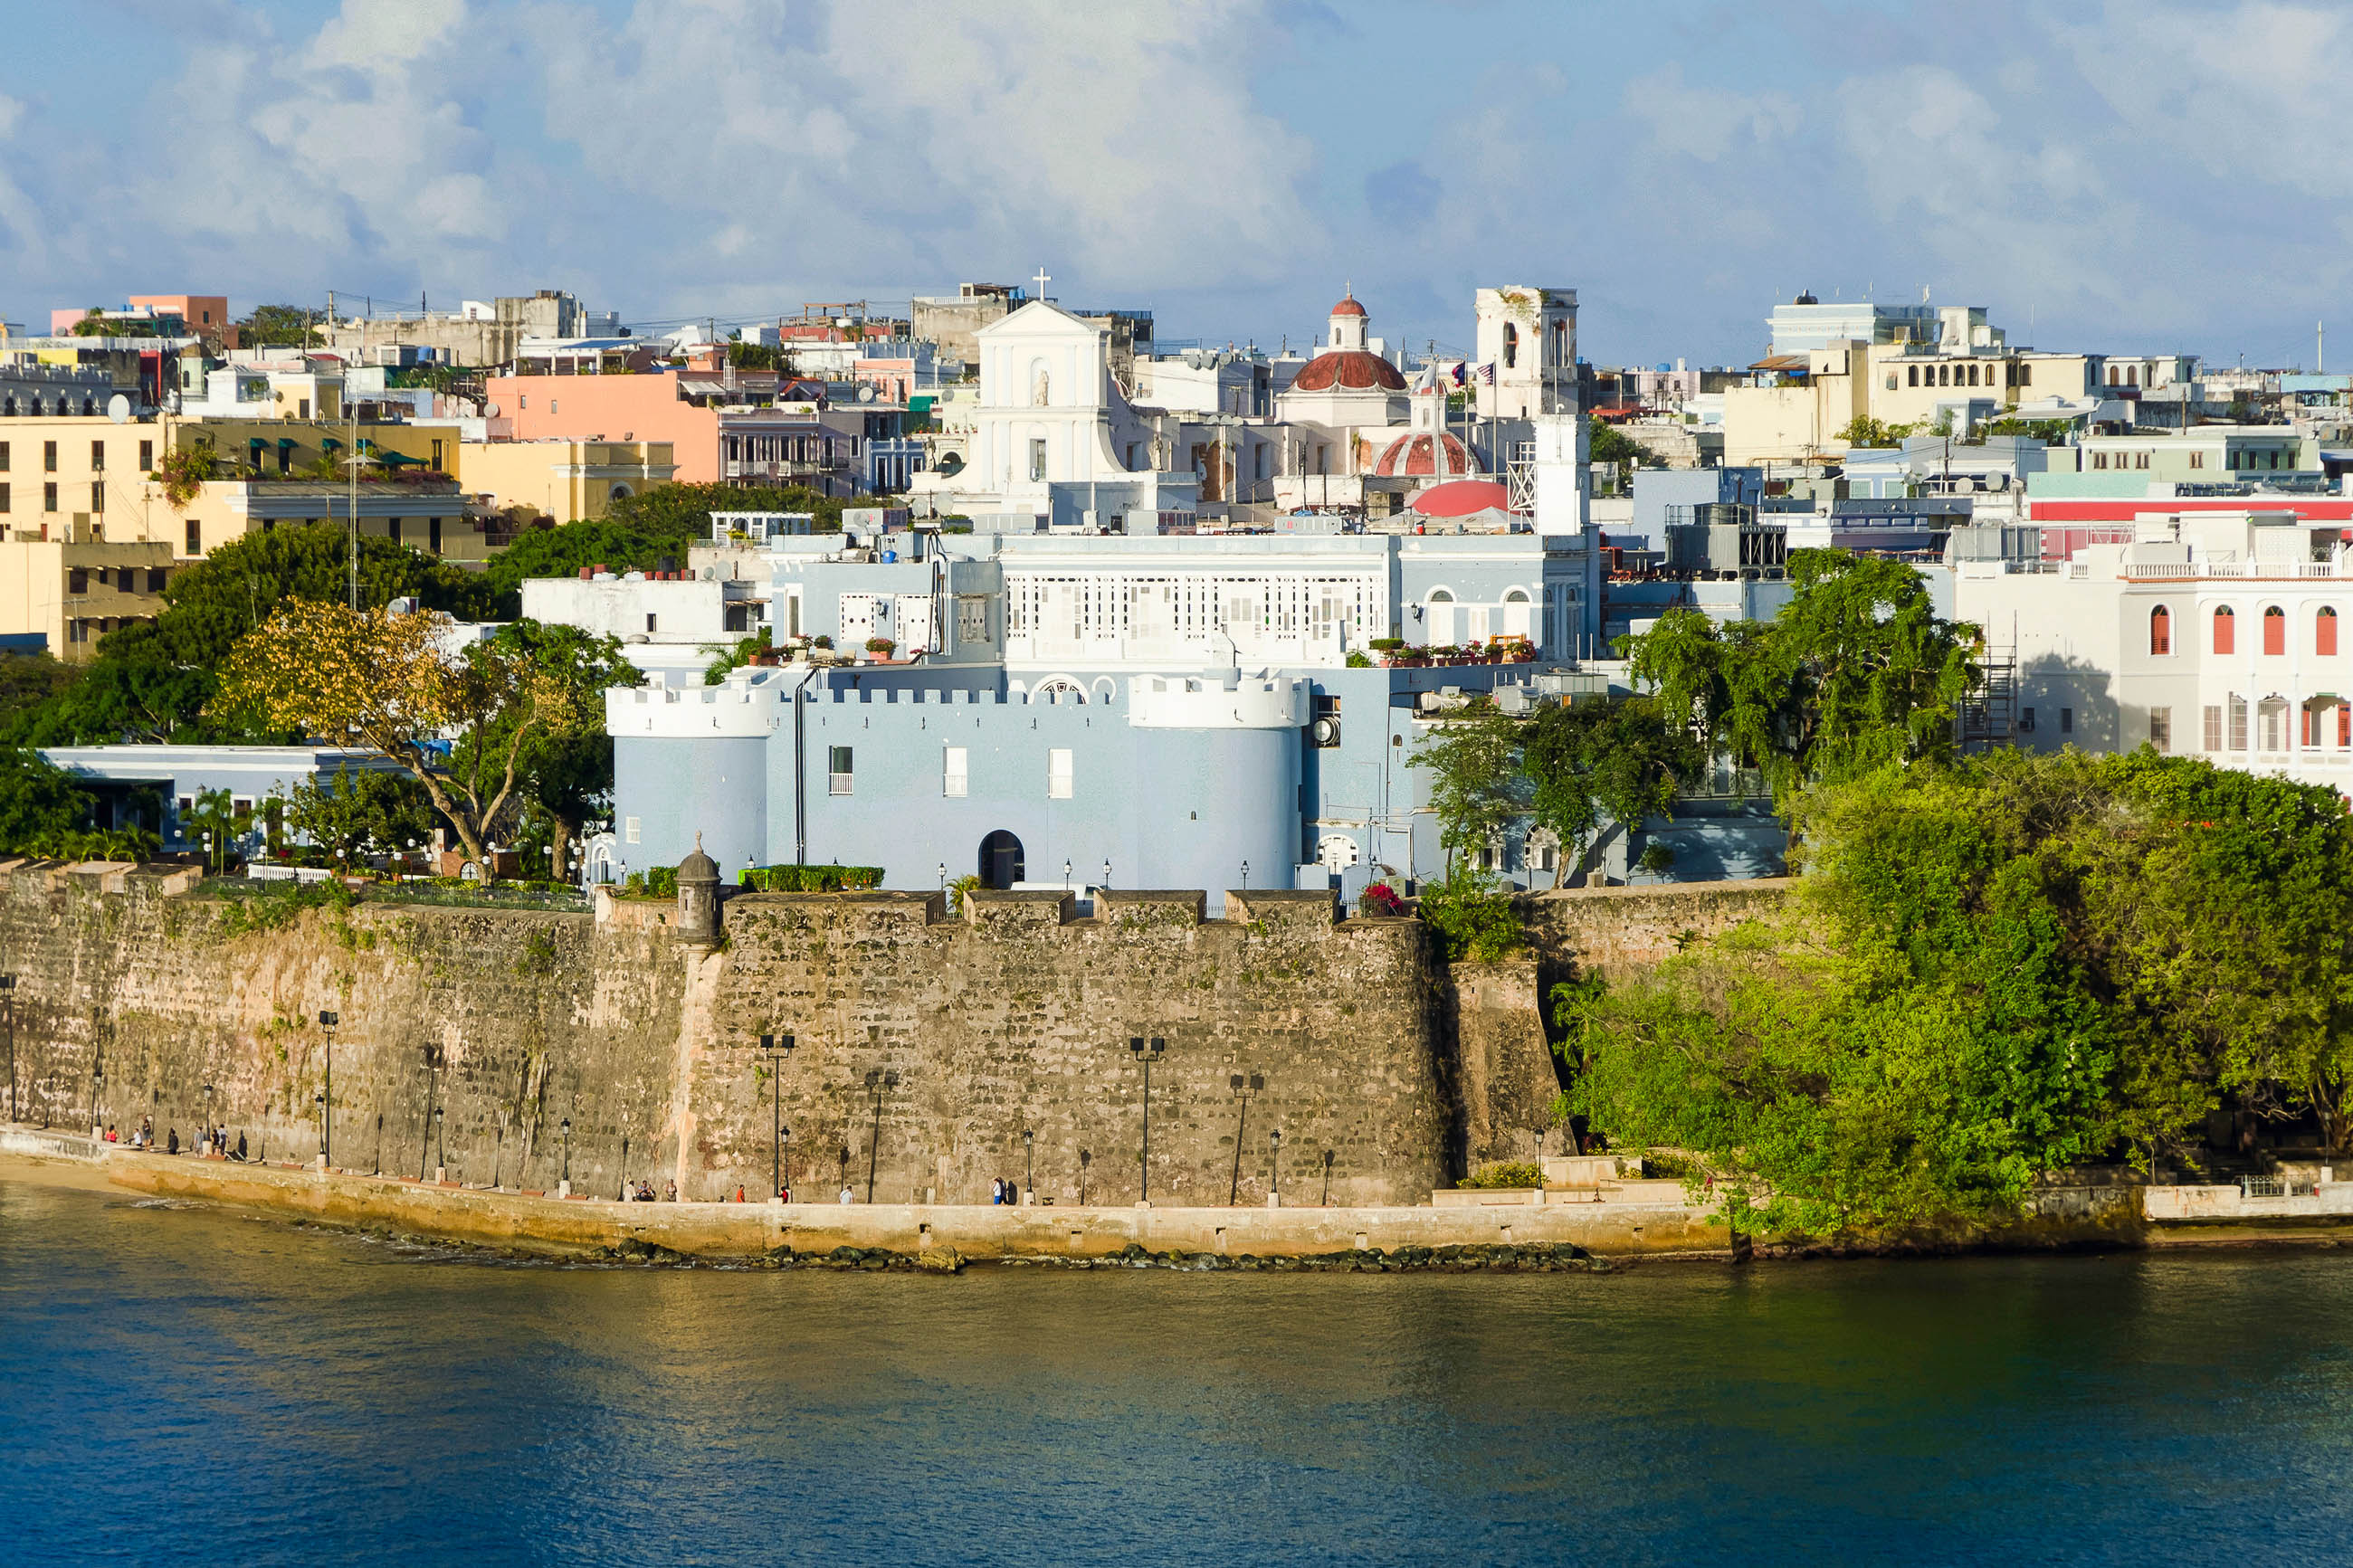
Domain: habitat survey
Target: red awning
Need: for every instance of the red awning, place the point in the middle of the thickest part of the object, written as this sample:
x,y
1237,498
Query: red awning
x,y
1460,498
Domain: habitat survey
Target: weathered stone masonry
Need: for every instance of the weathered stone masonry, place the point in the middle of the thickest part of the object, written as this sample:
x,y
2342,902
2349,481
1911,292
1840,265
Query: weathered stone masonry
x,y
1012,1017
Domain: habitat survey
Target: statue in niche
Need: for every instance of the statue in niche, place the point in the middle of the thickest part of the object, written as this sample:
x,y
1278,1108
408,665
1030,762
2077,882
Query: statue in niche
x,y
1043,387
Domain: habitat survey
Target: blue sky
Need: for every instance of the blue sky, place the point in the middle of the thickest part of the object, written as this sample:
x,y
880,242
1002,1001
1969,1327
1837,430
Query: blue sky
x,y
2150,176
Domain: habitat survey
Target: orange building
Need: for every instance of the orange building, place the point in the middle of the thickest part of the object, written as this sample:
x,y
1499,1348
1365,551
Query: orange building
x,y
714,438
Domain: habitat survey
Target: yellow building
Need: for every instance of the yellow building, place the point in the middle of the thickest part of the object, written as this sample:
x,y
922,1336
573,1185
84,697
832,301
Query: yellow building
x,y
570,481
73,592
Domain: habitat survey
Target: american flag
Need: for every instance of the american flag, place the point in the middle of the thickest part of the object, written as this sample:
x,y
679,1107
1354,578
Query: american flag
x,y
1487,373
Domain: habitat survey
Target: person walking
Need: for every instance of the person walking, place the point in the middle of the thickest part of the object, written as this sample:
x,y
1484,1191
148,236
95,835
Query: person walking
x,y
172,1144
996,1190
845,1192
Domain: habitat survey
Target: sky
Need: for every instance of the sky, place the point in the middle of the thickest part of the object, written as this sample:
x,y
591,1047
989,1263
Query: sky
x,y
2150,176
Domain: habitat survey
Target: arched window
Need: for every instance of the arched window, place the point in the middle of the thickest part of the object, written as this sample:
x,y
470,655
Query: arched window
x,y
2274,630
2224,623
2160,630
1560,342
2324,633
1511,346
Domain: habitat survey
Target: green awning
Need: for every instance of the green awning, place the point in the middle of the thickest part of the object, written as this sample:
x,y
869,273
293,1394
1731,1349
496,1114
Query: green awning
x,y
286,443
330,445
920,404
396,459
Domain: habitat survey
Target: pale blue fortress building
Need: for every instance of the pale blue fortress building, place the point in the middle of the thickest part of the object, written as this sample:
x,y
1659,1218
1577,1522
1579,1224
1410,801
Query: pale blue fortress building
x,y
1153,712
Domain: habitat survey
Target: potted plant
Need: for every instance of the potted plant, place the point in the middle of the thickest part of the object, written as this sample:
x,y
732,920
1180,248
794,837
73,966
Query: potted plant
x,y
882,648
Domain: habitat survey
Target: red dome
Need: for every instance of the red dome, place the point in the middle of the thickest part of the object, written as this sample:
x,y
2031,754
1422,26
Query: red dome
x,y
1352,369
1407,457
1349,307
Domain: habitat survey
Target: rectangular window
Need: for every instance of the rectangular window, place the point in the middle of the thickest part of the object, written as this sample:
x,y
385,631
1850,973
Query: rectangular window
x,y
49,457
146,458
78,580
2197,459
302,408
433,534
49,496
839,772
2238,723
954,778
4,456
2026,720
1057,775
649,623
98,457
4,496
436,457
2161,730
392,531
2066,720
2213,727
155,576
1037,458
196,538
98,495
629,830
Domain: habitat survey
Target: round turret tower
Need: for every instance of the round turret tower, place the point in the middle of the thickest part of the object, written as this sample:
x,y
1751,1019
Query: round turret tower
x,y
698,898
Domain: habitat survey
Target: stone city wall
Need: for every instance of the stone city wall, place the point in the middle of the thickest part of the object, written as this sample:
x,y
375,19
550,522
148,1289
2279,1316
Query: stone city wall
x,y
469,1036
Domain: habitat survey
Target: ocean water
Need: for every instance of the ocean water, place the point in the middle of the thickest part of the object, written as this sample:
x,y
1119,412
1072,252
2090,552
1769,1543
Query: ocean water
x,y
183,1384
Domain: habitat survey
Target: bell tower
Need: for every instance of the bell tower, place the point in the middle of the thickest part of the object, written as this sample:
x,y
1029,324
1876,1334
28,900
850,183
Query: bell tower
x,y
1528,353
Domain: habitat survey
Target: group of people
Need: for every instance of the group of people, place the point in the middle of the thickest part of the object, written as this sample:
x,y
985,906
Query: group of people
x,y
143,1137
644,1192
1001,1190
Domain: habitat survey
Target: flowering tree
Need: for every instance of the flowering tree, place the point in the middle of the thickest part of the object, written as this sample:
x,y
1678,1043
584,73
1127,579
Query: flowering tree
x,y
459,722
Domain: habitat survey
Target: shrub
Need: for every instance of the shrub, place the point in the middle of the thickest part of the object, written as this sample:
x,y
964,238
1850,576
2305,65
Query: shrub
x,y
808,878
1468,919
1360,659
1505,1173
1380,899
883,646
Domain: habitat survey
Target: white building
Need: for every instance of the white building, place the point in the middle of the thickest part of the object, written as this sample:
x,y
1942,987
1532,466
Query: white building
x,y
2218,634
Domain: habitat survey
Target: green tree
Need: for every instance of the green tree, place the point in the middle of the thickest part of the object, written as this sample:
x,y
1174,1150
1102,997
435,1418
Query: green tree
x,y
682,512
214,823
564,774
1595,762
1862,430
1857,669
359,812
1990,972
1476,787
1608,444
566,549
275,326
734,656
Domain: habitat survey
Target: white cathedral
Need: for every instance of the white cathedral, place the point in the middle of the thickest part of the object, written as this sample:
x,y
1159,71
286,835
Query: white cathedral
x,y
1054,439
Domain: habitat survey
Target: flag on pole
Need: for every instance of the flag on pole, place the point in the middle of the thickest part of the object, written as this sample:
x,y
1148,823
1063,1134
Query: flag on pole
x,y
1459,367
1487,373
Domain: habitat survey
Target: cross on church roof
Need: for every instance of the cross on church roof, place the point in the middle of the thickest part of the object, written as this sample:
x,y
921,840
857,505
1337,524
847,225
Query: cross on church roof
x,y
1042,279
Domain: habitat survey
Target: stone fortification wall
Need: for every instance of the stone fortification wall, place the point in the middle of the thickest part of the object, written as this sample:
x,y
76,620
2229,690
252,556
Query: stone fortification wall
x,y
1012,1018
468,1037
1616,930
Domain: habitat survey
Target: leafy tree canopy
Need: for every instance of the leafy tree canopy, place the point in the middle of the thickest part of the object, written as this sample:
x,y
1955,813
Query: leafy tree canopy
x,y
682,512
1594,763
275,326
1476,787
1990,971
1857,669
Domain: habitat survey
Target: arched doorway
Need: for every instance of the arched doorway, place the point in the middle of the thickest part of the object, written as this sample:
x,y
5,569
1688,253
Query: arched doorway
x,y
1000,861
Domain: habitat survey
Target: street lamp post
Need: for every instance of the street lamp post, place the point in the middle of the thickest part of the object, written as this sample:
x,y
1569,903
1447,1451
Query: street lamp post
x,y
1147,1052
564,1191
1274,1169
441,1148
208,1116
1243,1088
8,1009
1085,1158
878,1081
1029,1162
1327,1179
425,1150
775,1053
97,1071
328,1021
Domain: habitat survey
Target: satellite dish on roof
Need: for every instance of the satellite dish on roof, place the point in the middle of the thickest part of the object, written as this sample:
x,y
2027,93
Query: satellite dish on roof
x,y
866,394
118,408
490,411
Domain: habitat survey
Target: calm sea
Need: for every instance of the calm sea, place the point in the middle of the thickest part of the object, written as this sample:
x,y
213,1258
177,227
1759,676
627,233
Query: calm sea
x,y
185,1386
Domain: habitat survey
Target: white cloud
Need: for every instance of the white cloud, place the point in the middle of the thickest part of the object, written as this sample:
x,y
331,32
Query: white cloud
x,y
1707,123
